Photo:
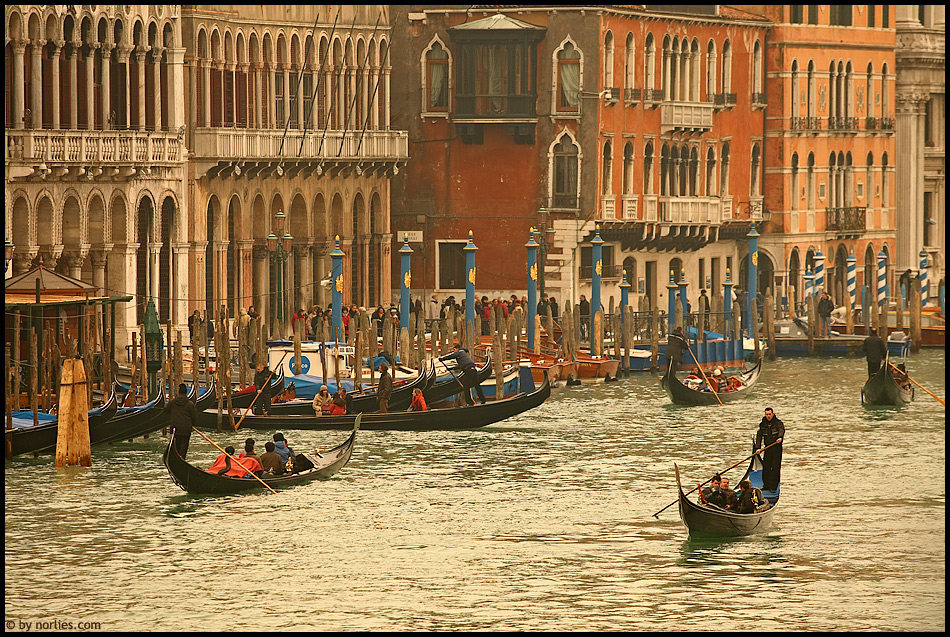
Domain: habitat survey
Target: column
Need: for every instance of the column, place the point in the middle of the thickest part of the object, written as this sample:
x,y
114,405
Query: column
x,y
336,285
106,84
125,53
90,87
597,269
36,75
374,101
19,48
405,286
74,84
157,85
909,179
271,106
387,97
819,272
532,247
470,250
286,73
671,304
852,279
175,71
753,282
140,76
727,304
205,96
74,261
54,83
258,96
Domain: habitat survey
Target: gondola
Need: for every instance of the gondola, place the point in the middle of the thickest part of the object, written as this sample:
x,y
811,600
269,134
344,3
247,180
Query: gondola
x,y
198,481
244,397
130,422
42,438
683,395
711,521
365,402
447,387
436,419
883,389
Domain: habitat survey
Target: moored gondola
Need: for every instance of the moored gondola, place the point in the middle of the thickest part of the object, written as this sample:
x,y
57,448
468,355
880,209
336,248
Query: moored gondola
x,y
883,389
41,438
706,520
449,386
197,481
436,419
683,395
244,397
130,422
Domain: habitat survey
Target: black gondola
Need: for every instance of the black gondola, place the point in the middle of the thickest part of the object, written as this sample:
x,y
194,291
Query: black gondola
x,y
244,398
711,521
363,403
683,395
883,389
195,480
41,438
447,387
130,422
435,419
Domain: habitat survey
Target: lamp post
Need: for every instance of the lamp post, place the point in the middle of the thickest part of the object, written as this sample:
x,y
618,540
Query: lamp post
x,y
470,250
154,344
279,249
532,247
405,254
596,261
753,282
7,255
336,270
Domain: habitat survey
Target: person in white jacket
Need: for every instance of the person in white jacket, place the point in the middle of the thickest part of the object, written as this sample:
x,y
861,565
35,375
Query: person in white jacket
x,y
432,311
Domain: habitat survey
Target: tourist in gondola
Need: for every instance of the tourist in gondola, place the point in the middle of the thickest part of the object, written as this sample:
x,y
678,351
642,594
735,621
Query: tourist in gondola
x,y
183,415
771,430
732,500
876,351
750,498
338,407
271,462
282,448
222,464
384,390
322,401
262,383
712,494
675,344
418,401
469,376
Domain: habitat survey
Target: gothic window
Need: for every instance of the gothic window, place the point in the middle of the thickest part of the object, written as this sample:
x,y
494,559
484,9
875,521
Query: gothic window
x,y
437,79
565,169
568,78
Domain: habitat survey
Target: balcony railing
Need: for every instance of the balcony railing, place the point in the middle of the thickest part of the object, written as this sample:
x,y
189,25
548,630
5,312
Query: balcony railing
x,y
93,147
569,202
630,207
850,219
613,271
887,123
495,106
718,100
871,123
726,208
653,95
609,206
632,94
731,99
266,144
698,210
650,207
686,115
758,99
612,94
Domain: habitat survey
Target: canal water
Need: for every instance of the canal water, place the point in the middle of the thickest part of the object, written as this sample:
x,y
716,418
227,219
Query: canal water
x,y
543,522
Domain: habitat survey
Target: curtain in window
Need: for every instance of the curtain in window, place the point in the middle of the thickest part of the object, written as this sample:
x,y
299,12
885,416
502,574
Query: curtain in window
x,y
569,97
438,85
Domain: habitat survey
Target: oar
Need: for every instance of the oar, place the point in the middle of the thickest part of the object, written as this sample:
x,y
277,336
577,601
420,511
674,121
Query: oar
x,y
702,372
234,459
257,395
918,384
657,514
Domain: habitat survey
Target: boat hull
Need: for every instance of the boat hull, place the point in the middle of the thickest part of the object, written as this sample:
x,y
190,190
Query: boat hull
x,y
683,395
882,389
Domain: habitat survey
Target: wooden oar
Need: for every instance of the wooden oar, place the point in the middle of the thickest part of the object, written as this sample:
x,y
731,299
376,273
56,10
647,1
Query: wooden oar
x,y
257,395
234,459
716,394
657,514
918,384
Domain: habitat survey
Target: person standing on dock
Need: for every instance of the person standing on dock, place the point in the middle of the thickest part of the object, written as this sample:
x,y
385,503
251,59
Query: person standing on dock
x,y
584,306
825,307
771,430
385,389
876,351
183,415
704,309
675,344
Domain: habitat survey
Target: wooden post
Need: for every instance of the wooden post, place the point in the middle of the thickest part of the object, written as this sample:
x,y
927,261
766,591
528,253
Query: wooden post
x,y
576,339
499,325
882,318
358,352
223,367
133,374
179,368
549,324
567,347
9,392
849,317
915,331
812,325
873,318
72,441
87,346
17,357
899,311
791,303
34,357
654,339
597,324
769,326
404,346
420,341
297,329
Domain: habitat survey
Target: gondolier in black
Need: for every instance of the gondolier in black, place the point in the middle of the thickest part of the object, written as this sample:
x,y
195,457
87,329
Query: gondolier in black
x,y
385,389
469,374
876,351
675,344
183,415
262,382
771,430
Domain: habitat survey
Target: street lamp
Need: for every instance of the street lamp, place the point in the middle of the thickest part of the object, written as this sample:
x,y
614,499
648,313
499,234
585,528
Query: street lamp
x,y
546,235
279,251
7,254
154,344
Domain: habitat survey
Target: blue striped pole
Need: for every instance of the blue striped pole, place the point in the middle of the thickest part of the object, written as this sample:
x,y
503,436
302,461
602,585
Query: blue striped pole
x,y
532,246
671,292
469,250
683,301
405,253
598,265
819,273
809,277
336,259
881,280
624,299
923,278
852,277
727,303
753,283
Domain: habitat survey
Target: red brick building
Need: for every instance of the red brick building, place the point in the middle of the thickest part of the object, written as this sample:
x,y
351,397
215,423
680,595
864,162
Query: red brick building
x,y
648,120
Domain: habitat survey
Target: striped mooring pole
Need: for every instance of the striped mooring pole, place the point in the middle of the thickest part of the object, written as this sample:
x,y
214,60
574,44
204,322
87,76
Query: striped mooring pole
x,y
881,280
819,273
852,277
924,292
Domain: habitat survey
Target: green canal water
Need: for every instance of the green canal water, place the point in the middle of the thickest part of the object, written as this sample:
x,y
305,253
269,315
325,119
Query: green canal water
x,y
542,522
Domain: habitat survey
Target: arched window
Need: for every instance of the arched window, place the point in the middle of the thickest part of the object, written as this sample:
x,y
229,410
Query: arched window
x,y
832,179
811,90
869,196
870,86
724,170
568,78
757,70
756,182
727,67
885,195
608,60
628,168
832,96
665,170
649,65
794,95
694,171
710,172
565,169
629,64
885,111
794,199
849,92
606,186
437,78
710,70
648,169
848,181
810,199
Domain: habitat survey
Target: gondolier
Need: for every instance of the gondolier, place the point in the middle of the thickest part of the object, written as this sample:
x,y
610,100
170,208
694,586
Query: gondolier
x,y
675,344
469,377
876,351
771,430
183,416
262,382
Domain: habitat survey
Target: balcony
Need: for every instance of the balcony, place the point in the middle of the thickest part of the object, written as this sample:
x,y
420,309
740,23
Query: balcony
x,y
731,99
718,100
887,123
629,207
222,150
650,207
691,210
846,221
477,108
612,95
871,123
726,208
632,95
100,153
758,100
692,116
608,206
613,271
564,202
653,96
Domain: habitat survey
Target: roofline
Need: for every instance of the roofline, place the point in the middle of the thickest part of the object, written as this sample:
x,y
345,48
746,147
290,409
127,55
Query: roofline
x,y
764,23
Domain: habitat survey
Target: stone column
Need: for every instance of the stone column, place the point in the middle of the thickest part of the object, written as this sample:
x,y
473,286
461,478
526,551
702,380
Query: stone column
x,y
125,58
106,85
74,261
388,101
90,87
909,179
175,59
271,106
261,271
99,259
258,96
244,69
23,260
140,76
36,77
157,85
54,83
286,71
19,48
74,85
205,96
